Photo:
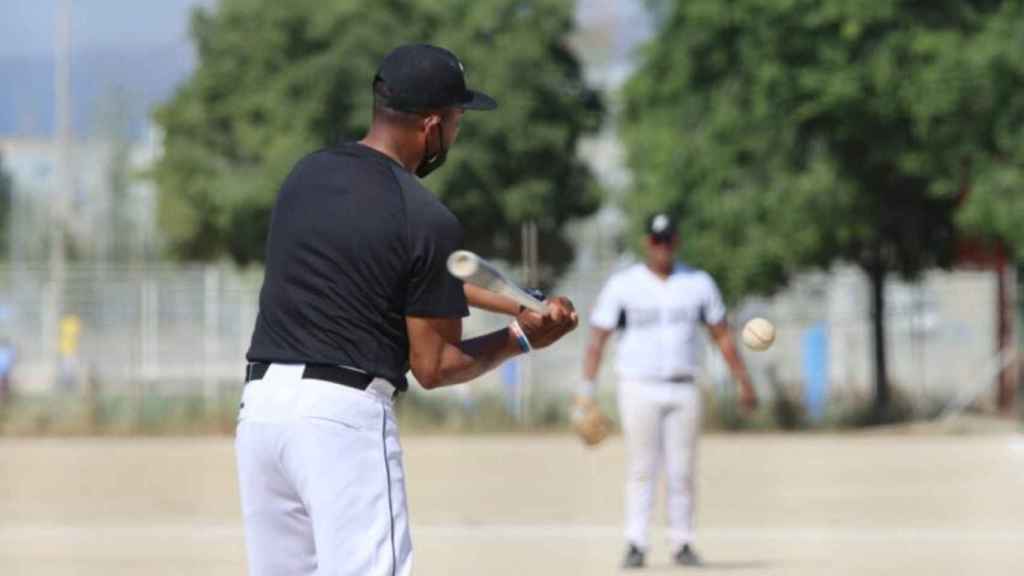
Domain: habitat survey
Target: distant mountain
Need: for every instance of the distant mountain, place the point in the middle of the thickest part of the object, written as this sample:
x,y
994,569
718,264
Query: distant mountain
x,y
148,77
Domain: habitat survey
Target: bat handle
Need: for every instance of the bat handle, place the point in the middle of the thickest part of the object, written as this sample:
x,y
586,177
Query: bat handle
x,y
539,296
538,305
537,293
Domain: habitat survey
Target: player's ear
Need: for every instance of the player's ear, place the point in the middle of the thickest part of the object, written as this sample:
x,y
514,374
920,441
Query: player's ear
x,y
429,121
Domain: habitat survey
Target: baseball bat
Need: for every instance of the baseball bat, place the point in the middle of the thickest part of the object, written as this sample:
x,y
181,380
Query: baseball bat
x,y
469,267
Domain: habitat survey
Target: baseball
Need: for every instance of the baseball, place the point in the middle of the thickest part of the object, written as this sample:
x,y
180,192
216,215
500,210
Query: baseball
x,y
758,334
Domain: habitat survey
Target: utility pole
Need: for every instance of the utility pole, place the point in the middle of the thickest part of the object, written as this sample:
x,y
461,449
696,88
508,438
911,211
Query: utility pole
x,y
531,278
65,180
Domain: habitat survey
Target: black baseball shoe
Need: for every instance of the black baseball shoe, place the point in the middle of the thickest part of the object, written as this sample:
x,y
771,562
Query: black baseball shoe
x,y
686,556
634,557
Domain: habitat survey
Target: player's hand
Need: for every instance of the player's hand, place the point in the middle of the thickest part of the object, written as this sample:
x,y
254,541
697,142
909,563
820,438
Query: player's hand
x,y
542,330
588,421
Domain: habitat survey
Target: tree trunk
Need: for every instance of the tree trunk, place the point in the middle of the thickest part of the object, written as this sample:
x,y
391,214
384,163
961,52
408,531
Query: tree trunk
x,y
876,272
1005,340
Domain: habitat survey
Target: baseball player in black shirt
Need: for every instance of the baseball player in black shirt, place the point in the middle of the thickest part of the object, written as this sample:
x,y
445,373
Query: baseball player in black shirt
x,y
356,294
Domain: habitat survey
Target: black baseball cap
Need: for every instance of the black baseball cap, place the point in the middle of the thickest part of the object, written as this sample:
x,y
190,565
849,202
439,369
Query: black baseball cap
x,y
661,226
421,77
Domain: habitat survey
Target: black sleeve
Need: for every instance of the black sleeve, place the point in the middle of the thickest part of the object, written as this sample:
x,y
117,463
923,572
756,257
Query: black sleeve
x,y
432,291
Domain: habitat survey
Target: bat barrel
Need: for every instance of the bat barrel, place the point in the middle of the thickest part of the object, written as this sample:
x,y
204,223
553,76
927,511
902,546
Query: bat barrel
x,y
472,269
462,264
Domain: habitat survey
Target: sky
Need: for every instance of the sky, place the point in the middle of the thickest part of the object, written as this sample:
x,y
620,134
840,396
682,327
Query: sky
x,y
27,27
143,47
139,46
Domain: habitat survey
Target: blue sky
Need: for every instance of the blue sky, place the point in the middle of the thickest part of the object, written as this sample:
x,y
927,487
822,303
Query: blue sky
x,y
143,46
28,26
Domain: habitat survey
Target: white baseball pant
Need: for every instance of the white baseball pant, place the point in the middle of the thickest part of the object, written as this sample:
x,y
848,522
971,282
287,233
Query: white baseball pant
x,y
321,479
661,423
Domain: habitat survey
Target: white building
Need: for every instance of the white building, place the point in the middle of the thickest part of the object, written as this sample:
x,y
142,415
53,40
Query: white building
x,y
33,166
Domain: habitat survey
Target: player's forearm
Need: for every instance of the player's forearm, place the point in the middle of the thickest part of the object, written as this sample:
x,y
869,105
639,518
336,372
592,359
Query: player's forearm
x,y
594,353
475,357
592,361
739,370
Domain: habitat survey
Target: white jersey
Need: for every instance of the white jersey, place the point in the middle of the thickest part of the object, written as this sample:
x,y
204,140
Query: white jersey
x,y
662,316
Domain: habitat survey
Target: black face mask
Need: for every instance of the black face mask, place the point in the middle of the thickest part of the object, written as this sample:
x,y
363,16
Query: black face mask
x,y
430,163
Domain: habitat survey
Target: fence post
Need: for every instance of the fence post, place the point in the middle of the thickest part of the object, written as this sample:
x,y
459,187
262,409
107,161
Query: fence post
x,y
49,319
150,337
245,320
211,306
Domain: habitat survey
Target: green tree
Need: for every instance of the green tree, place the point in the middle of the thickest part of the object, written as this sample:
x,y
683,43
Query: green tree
x,y
793,133
278,79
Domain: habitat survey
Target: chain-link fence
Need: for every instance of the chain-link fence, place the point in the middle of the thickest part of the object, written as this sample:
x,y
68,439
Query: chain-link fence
x,y
175,328
182,331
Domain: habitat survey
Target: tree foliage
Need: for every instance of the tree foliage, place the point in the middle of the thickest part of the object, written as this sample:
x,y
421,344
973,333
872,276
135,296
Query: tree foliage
x,y
278,79
793,133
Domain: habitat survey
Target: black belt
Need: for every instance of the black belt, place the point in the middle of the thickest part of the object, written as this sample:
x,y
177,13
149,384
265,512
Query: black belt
x,y
327,372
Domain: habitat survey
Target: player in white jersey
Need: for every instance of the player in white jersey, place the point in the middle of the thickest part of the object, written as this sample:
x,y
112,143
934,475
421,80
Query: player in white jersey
x,y
659,305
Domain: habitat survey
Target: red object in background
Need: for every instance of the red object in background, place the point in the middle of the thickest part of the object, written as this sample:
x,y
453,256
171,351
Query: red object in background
x,y
994,255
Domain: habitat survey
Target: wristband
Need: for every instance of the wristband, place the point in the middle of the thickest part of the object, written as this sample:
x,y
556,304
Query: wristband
x,y
521,339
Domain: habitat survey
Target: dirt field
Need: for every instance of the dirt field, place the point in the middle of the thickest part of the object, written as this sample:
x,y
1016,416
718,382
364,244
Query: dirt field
x,y
804,505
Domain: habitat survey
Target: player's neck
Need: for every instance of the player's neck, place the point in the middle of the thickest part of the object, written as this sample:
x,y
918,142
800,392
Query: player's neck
x,y
663,271
394,146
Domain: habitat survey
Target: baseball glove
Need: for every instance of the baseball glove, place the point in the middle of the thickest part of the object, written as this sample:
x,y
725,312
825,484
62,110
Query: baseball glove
x,y
589,422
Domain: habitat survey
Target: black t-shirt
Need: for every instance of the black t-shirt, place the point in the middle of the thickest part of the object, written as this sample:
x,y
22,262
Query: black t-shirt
x,y
356,244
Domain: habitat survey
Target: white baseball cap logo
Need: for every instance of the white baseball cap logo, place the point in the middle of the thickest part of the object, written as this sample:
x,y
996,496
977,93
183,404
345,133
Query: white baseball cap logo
x,y
660,224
